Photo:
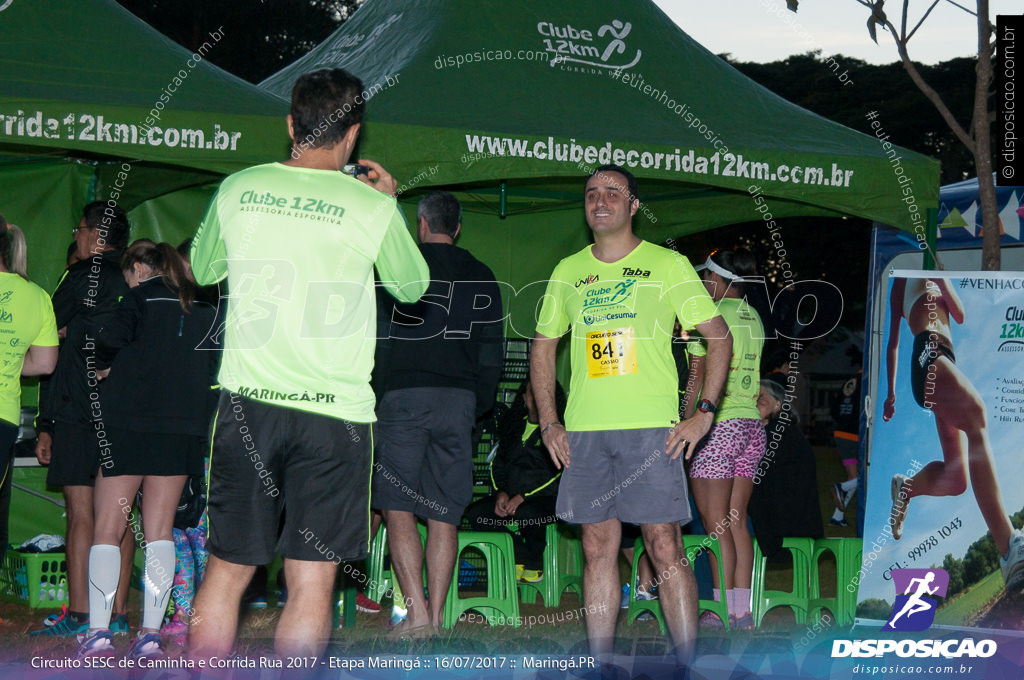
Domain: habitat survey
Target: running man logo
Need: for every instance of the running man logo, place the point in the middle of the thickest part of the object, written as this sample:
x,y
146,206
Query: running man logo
x,y
913,609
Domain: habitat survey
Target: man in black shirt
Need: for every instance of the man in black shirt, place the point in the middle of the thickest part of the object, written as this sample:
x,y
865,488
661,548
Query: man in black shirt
x,y
437,368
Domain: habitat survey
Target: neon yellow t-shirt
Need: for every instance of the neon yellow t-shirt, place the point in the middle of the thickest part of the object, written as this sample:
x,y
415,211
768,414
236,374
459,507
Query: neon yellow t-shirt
x,y
26,319
621,315
743,383
298,247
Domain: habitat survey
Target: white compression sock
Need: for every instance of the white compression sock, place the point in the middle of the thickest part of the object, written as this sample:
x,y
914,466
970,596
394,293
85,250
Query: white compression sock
x,y
838,515
159,578
849,484
104,574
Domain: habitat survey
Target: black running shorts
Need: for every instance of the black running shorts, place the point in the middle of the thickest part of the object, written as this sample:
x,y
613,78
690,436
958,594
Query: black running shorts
x,y
287,481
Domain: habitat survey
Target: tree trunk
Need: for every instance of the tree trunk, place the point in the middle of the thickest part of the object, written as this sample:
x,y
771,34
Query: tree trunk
x,y
990,255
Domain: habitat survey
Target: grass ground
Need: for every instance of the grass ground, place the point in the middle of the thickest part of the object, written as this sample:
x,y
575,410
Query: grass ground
x,y
558,631
965,606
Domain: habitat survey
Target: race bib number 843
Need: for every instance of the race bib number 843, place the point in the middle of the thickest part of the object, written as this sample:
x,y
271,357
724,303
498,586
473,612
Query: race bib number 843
x,y
611,352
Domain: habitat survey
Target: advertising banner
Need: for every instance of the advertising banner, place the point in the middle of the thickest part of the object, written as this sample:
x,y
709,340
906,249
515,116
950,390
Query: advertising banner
x,y
946,484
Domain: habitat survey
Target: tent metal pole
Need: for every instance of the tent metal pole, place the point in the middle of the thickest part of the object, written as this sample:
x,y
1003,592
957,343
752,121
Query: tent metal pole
x,y
930,238
503,201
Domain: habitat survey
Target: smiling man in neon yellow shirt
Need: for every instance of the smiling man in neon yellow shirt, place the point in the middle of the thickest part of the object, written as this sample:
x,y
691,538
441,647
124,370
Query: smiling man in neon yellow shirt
x,y
619,298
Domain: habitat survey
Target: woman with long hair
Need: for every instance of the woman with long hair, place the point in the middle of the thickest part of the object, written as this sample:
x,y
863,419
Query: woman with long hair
x,y
724,465
930,307
29,344
156,404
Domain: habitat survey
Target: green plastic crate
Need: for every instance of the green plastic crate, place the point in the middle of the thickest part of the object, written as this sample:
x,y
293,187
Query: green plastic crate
x,y
40,580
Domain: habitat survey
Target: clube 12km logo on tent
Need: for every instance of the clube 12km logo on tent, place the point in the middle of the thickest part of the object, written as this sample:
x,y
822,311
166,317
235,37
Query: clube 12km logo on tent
x,y
581,46
914,611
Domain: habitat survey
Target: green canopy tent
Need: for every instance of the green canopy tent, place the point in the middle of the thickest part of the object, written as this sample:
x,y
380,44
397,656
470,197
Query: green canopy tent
x,y
88,87
511,104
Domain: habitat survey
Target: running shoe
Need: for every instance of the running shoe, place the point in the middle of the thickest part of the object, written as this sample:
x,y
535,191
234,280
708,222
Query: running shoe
x,y
257,602
532,575
282,597
99,643
174,628
625,597
710,619
745,622
839,496
119,624
146,645
519,572
838,522
642,594
899,505
398,614
366,605
53,619
65,627
1013,563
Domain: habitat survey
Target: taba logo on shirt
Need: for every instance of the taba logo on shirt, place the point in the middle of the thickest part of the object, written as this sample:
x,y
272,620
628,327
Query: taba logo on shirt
x,y
591,278
636,273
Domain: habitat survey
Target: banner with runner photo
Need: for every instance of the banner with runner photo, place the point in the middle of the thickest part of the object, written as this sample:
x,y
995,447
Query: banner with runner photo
x,y
946,484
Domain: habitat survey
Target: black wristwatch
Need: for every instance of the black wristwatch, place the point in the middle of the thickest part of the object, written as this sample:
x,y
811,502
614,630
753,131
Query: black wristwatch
x,y
705,406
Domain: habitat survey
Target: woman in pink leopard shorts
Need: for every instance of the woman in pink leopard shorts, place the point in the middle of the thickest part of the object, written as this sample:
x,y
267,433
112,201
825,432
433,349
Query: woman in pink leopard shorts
x,y
724,465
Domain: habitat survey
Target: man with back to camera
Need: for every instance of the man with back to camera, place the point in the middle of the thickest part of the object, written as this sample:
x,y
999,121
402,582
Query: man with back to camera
x,y
72,438
437,370
620,298
297,242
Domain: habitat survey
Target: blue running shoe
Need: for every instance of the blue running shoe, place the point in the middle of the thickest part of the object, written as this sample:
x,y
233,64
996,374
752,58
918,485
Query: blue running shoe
x,y
99,643
146,645
625,597
64,627
54,619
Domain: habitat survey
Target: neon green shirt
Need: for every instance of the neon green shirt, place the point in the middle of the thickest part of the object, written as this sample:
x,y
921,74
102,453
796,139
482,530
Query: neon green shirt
x,y
621,316
298,248
26,319
744,381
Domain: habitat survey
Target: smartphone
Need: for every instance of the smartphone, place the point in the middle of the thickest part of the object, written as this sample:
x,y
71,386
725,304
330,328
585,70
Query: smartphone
x,y
354,169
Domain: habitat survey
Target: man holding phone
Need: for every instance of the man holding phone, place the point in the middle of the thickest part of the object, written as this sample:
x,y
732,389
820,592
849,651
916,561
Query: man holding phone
x,y
297,242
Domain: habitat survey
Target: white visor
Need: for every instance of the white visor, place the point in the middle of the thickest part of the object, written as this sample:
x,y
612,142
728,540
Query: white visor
x,y
721,271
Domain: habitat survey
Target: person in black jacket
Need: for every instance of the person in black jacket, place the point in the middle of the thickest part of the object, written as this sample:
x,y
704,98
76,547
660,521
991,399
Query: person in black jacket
x,y
437,368
71,425
784,503
525,483
158,369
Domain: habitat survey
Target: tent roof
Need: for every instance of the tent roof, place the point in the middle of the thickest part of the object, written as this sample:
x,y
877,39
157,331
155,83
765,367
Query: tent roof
x,y
465,91
88,76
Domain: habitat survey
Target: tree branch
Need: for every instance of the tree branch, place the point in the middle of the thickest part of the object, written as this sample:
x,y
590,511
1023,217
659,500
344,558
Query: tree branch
x,y
928,91
905,4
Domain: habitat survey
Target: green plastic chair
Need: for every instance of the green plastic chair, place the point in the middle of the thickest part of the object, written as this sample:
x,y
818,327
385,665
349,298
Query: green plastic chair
x,y
799,598
847,553
563,566
501,601
379,581
637,607
693,544
346,613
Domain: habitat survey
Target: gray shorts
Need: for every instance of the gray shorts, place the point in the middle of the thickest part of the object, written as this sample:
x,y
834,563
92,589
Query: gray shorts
x,y
424,452
623,474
